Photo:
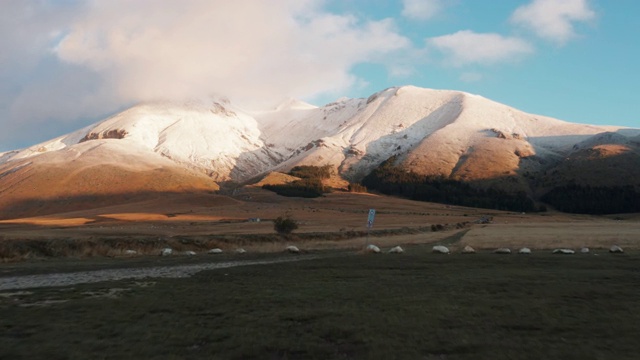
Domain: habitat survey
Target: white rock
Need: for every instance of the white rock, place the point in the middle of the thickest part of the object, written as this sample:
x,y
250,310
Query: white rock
x,y
564,251
215,251
130,252
584,250
525,251
166,252
468,250
439,249
616,249
396,250
190,253
372,249
502,251
241,251
293,249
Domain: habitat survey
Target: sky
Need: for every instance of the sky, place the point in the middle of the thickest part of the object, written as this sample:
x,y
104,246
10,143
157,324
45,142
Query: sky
x,y
65,64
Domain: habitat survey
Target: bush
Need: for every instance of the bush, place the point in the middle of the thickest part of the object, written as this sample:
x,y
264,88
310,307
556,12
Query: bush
x,y
284,225
309,185
312,172
307,188
357,188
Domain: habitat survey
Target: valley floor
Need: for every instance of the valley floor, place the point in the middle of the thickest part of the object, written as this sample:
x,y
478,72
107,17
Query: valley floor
x,y
199,222
413,305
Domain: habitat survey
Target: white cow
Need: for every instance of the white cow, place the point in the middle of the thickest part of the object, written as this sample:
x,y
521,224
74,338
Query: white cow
x,y
564,251
440,249
292,249
372,249
502,251
468,250
616,249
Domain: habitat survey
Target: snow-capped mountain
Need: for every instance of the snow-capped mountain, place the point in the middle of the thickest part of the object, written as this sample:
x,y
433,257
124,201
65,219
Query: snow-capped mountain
x,y
439,132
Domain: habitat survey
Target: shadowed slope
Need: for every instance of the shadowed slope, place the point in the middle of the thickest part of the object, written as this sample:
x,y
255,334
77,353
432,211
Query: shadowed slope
x,y
110,170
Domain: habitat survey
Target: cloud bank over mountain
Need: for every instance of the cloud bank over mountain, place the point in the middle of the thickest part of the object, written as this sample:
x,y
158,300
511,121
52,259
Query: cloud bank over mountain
x,y
67,63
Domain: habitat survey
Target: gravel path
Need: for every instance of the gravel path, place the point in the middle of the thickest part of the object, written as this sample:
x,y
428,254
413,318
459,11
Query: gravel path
x,y
92,276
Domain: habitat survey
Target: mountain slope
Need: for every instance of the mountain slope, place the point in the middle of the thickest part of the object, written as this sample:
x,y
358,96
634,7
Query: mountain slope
x,y
166,146
91,174
432,132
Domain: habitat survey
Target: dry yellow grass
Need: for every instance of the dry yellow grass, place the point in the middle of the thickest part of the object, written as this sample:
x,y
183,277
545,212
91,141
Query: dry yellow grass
x,y
594,233
354,243
336,220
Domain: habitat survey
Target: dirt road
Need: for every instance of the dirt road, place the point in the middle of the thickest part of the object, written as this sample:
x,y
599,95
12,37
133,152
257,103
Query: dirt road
x,y
169,271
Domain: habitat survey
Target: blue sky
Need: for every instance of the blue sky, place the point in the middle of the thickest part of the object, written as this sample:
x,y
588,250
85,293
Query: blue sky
x,y
68,63
590,77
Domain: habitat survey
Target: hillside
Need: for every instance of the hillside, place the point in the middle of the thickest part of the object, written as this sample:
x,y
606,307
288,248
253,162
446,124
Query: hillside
x,y
197,145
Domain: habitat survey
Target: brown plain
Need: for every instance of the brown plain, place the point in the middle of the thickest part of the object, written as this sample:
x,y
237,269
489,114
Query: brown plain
x,y
206,216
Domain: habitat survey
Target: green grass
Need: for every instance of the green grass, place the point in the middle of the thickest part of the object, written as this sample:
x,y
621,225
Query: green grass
x,y
412,306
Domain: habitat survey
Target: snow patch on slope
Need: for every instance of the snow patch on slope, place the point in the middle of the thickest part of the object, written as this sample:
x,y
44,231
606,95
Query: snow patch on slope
x,y
431,131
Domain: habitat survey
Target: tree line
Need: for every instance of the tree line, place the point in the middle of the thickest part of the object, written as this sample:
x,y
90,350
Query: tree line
x,y
310,183
392,180
597,200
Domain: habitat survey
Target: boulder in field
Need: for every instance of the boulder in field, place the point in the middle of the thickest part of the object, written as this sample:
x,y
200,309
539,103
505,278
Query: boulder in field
x,y
215,251
240,251
525,251
396,250
166,252
584,250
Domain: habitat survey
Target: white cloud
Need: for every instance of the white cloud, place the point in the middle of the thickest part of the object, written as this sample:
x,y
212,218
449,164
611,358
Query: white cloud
x,y
553,19
26,30
243,49
421,9
68,61
467,47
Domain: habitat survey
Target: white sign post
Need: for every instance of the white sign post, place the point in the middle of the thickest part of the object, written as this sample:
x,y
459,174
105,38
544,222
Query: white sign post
x,y
372,216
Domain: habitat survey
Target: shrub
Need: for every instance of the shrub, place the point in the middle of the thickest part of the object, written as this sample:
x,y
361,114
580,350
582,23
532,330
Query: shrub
x,y
284,225
357,188
308,188
312,172
309,185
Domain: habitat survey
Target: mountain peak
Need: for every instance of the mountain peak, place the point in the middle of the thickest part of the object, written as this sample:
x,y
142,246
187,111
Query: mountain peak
x,y
293,104
432,132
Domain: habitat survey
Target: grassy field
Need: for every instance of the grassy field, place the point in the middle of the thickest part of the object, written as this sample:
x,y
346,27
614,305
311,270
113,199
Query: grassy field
x,y
197,222
416,305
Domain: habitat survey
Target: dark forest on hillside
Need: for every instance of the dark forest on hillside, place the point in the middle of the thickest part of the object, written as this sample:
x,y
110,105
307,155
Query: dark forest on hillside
x,y
392,180
595,200
309,186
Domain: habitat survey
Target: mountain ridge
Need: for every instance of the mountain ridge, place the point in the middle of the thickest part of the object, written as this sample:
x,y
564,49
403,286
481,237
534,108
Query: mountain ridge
x,y
446,133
